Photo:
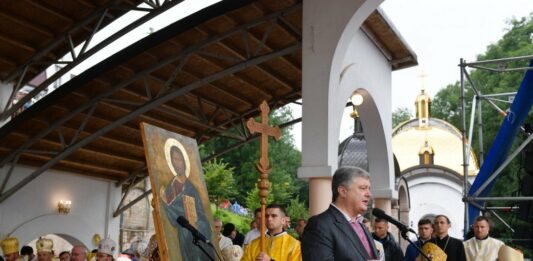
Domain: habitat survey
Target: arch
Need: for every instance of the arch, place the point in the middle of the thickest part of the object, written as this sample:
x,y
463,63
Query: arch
x,y
72,228
338,58
436,190
404,206
380,160
70,239
62,242
429,216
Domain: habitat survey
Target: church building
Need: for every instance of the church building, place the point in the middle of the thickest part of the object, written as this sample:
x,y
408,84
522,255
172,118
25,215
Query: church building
x,y
429,155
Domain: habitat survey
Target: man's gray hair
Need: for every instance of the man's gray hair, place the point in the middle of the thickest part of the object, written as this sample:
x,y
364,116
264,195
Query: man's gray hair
x,y
344,177
85,250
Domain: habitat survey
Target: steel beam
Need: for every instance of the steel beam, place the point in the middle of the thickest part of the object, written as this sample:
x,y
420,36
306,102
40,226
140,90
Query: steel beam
x,y
77,59
146,107
119,211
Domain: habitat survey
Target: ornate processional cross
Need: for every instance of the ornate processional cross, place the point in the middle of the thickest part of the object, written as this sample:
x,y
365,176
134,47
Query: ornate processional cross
x,y
263,166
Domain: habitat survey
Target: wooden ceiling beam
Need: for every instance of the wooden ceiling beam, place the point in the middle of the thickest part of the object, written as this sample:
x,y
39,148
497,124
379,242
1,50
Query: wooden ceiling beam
x,y
35,160
241,75
166,109
262,68
189,116
101,118
41,5
297,37
112,141
10,63
30,25
78,165
197,76
17,43
146,118
56,146
256,38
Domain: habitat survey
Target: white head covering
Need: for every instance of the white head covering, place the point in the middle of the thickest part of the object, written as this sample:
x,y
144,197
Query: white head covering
x,y
107,246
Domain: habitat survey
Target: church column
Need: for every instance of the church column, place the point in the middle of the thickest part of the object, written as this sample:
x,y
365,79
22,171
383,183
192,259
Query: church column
x,y
327,32
384,204
320,194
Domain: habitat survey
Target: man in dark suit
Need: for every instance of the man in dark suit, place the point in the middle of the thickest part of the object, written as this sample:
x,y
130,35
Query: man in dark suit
x,y
337,234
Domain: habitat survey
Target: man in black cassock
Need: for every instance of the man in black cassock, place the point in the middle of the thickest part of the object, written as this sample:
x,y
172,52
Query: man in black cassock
x,y
453,247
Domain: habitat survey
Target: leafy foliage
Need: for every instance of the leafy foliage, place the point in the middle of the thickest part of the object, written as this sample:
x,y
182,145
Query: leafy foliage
x,y
297,209
517,41
219,179
400,115
284,160
252,198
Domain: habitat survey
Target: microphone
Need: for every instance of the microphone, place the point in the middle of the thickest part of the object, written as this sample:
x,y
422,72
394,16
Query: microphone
x,y
195,233
381,214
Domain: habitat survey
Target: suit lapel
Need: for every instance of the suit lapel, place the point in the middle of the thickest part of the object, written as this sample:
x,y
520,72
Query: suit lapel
x,y
346,228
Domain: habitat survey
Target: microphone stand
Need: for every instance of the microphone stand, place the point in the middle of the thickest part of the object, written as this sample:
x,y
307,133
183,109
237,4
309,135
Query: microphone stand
x,y
404,235
196,241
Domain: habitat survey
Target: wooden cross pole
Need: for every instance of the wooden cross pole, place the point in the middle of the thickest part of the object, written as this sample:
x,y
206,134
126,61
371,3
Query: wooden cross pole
x,y
263,166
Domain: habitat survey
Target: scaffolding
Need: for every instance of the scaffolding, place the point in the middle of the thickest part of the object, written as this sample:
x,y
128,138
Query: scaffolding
x,y
474,198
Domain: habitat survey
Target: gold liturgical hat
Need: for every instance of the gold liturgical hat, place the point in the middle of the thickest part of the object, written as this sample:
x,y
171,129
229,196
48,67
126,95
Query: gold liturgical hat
x,y
44,245
432,251
10,245
507,253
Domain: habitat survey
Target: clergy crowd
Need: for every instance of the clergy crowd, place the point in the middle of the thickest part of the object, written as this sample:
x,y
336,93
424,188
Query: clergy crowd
x,y
339,233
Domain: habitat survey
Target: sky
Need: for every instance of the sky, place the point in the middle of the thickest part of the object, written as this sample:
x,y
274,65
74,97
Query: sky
x,y
440,32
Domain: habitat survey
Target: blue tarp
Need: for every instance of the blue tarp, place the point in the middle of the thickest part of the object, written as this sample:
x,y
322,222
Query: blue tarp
x,y
502,143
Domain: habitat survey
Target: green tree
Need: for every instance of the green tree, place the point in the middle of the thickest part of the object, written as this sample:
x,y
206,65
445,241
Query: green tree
x,y
219,179
400,115
297,209
284,159
252,198
517,41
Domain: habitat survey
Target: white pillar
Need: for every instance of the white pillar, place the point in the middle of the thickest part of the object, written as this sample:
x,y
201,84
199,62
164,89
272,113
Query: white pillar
x,y
320,194
338,58
328,30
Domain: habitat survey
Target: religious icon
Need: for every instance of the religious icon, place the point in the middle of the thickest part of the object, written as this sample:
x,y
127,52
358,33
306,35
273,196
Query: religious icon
x,y
179,189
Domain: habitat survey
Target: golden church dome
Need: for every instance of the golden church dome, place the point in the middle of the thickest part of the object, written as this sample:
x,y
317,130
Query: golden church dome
x,y
411,139
445,140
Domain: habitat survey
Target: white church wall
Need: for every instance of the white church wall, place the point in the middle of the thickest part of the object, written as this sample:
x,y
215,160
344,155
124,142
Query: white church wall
x,y
433,196
326,39
367,71
32,211
325,42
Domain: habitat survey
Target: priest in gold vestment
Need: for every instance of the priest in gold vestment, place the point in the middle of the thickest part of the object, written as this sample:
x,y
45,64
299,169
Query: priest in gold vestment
x,y
279,244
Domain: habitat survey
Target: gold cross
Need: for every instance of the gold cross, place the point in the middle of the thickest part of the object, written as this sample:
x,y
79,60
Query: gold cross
x,y
266,131
263,166
423,77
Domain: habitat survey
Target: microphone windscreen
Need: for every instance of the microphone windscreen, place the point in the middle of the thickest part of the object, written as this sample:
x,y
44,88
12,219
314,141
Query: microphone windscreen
x,y
182,221
378,212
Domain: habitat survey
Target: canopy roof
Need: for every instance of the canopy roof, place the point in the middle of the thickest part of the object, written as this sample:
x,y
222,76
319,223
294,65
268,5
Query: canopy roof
x,y
199,77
